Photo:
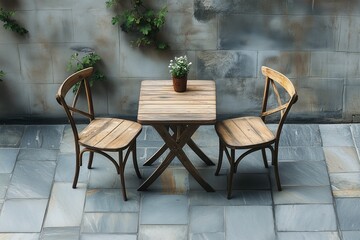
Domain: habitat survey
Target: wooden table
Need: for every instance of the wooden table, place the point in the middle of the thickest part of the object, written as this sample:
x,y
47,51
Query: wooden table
x,y
176,117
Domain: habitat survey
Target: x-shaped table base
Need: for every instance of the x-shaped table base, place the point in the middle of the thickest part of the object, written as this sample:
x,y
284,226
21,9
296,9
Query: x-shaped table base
x,y
175,143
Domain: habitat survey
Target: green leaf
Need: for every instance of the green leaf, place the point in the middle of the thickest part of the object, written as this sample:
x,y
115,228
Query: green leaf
x,y
5,14
110,3
115,20
143,22
149,14
162,46
88,60
145,29
11,24
130,19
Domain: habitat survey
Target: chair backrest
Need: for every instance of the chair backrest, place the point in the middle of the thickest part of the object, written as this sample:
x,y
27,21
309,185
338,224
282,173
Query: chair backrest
x,y
81,79
276,80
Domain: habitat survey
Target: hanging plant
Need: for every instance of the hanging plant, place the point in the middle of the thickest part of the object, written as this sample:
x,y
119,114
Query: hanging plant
x,y
9,23
141,21
88,60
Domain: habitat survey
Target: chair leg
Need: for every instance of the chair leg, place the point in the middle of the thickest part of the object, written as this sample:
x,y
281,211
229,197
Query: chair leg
x,y
276,167
77,166
221,153
134,156
91,157
264,157
121,172
230,178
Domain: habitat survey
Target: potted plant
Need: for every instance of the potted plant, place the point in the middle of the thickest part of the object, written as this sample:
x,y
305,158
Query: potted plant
x,y
179,69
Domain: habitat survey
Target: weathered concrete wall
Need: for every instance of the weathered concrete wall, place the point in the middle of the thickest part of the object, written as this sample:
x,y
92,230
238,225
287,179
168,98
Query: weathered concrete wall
x,y
314,42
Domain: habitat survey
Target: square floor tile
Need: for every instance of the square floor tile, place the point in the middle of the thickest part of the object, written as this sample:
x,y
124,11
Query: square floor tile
x,y
244,223
348,211
338,135
164,209
22,215
345,184
303,173
7,159
310,217
342,159
42,136
206,219
111,200
65,206
10,136
110,223
351,235
32,179
300,135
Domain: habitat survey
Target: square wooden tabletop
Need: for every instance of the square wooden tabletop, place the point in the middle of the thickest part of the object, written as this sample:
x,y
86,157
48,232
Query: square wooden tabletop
x,y
160,104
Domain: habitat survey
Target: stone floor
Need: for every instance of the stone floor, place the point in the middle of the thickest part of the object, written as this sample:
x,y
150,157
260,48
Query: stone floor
x,y
319,167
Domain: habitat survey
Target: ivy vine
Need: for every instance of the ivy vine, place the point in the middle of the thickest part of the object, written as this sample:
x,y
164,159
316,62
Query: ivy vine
x,y
143,22
10,23
88,60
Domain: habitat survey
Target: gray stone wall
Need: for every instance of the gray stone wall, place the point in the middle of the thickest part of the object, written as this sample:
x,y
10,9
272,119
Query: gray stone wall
x,y
313,42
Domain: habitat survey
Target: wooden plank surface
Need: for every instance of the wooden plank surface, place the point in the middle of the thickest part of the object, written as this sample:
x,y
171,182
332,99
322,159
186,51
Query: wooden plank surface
x,y
109,133
159,103
244,132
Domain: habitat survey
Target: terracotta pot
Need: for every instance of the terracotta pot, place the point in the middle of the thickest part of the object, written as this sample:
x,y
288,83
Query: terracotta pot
x,y
179,84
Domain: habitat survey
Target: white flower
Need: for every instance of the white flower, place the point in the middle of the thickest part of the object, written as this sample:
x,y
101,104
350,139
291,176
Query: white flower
x,y
179,67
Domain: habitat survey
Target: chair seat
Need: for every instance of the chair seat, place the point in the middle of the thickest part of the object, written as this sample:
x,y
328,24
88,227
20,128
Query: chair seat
x,y
244,132
109,134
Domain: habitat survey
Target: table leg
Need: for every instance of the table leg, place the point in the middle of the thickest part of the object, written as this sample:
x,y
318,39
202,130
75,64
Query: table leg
x,y
193,146
156,155
159,170
200,153
175,145
192,170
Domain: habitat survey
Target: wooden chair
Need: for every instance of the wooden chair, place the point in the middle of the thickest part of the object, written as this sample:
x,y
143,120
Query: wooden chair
x,y
251,133
101,135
